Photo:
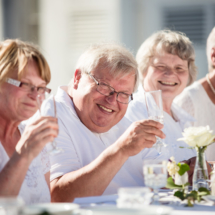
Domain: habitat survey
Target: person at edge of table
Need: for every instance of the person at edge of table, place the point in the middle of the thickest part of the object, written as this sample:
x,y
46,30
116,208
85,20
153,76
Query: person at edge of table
x,y
166,62
24,164
199,98
96,159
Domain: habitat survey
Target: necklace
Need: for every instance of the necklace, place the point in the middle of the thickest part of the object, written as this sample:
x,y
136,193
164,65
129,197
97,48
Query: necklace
x,y
209,82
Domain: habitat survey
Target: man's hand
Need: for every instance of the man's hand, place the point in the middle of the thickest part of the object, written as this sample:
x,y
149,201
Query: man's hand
x,y
141,134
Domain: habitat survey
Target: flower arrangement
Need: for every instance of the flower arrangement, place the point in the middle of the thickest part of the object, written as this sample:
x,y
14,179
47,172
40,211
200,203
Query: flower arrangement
x,y
199,138
179,180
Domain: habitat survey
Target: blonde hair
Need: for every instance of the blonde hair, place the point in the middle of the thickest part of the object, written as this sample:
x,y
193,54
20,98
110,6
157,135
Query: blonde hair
x,y
15,54
108,55
210,45
172,42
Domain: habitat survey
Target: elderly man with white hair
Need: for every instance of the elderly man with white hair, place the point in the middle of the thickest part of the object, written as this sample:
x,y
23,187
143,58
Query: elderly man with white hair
x,y
99,157
199,98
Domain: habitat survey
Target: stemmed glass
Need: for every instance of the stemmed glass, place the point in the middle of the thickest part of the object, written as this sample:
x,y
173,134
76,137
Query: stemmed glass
x,y
154,107
155,176
40,99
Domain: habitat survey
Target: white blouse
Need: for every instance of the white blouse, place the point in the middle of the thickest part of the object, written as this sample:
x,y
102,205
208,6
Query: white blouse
x,y
34,188
194,100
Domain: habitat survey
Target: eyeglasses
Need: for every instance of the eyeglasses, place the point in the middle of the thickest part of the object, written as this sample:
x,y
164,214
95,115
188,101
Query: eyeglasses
x,y
107,90
28,87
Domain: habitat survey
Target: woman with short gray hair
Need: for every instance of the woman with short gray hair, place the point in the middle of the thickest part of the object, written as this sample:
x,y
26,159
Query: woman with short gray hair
x,y
166,62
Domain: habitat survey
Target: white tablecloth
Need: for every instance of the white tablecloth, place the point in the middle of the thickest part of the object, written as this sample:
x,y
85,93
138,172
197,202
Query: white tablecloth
x,y
204,208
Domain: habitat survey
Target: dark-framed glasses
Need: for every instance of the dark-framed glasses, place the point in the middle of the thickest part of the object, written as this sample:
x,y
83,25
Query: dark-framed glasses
x,y
27,86
107,90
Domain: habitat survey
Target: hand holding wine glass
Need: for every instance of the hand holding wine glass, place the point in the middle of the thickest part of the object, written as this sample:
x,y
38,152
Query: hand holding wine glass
x,y
154,107
40,98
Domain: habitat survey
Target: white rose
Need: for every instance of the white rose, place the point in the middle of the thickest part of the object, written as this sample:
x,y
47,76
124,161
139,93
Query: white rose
x,y
181,179
198,136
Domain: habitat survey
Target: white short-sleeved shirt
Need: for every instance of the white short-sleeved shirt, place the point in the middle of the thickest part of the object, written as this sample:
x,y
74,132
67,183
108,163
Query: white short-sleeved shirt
x,y
34,188
81,146
194,100
172,129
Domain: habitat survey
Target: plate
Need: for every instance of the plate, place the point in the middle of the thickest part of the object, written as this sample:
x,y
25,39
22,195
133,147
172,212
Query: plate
x,y
52,208
149,210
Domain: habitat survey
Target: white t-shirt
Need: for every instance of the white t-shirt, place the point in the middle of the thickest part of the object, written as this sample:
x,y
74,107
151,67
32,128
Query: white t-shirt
x,y
194,100
34,188
81,146
172,129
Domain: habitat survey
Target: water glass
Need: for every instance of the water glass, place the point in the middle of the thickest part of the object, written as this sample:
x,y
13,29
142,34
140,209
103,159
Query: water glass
x,y
155,176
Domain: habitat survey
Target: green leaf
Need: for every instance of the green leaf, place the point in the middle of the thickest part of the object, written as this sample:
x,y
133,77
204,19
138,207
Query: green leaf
x,y
183,168
45,213
180,195
171,185
187,184
203,191
193,194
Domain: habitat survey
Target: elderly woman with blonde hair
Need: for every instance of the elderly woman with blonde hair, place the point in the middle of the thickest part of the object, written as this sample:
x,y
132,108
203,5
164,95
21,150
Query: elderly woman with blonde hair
x,y
166,62
24,162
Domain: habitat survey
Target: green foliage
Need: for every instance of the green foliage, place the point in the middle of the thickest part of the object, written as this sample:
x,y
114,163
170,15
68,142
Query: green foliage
x,y
180,195
203,191
183,168
171,184
192,196
45,213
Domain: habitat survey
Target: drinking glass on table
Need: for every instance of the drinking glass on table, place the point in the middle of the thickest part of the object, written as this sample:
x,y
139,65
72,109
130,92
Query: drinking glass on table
x,y
155,176
154,107
40,99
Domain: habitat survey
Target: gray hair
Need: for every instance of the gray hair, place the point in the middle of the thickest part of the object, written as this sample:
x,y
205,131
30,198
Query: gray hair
x,y
210,45
172,42
108,55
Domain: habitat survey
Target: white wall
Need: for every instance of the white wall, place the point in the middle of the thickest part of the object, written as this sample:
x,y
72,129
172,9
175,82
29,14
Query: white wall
x,y
67,27
150,20
60,39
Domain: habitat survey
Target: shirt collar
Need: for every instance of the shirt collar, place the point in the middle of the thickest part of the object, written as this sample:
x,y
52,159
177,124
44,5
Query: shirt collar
x,y
64,98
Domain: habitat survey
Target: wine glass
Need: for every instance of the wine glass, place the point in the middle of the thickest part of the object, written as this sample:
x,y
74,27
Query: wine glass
x,y
40,99
154,107
155,176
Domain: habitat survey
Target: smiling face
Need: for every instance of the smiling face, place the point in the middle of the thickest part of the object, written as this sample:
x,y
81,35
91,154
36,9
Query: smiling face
x,y
18,104
97,112
166,72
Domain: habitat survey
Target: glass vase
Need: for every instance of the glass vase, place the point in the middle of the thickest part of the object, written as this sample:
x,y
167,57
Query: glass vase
x,y
200,173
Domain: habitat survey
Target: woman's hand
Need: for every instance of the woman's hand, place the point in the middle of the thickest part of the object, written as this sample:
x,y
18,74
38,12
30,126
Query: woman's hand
x,y
36,136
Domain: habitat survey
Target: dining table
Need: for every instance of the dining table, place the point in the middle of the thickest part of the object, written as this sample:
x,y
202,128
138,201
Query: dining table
x,y
169,204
